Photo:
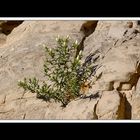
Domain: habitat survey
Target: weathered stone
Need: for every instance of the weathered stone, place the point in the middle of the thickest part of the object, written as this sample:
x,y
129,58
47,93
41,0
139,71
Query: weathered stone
x,y
109,106
78,109
22,55
136,102
119,54
8,26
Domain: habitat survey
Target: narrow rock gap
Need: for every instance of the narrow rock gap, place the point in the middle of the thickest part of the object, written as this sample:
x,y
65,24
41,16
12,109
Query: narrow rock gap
x,y
87,29
135,77
128,109
125,108
6,27
121,108
138,22
95,116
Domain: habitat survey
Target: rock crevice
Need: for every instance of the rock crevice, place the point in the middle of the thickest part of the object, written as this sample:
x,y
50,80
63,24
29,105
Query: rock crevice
x,y
118,44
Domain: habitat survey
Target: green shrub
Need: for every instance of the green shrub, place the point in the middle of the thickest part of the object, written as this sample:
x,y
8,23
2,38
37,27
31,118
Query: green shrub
x,y
64,70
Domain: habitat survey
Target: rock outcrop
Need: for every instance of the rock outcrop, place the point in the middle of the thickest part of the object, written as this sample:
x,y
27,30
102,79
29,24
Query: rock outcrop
x,y
6,28
118,45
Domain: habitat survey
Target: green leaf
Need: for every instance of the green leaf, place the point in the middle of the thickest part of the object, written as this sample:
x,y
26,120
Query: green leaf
x,y
62,69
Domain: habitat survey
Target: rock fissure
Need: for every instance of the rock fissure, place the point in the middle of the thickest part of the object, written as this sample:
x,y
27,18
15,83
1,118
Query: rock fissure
x,y
125,108
95,116
87,29
118,45
7,26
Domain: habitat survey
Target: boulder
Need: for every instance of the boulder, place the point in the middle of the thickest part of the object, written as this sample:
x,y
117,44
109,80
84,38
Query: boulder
x,y
116,79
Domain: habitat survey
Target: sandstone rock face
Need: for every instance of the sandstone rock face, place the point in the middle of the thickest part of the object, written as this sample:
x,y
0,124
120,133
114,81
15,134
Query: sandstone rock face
x,y
109,107
80,109
119,54
136,102
6,28
118,45
22,54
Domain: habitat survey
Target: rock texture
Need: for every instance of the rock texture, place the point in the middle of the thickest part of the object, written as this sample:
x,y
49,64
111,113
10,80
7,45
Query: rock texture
x,y
6,28
110,106
118,87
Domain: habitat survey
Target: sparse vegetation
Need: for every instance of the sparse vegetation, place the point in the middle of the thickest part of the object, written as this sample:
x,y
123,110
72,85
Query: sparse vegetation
x,y
64,70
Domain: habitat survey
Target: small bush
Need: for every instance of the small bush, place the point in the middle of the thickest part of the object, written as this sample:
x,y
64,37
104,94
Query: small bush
x,y
64,70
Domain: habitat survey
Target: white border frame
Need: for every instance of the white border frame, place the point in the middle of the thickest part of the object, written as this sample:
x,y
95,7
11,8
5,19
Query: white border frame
x,y
69,18
69,121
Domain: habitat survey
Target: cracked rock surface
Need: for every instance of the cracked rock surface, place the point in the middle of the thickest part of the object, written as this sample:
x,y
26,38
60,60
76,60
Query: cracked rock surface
x,y
118,44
